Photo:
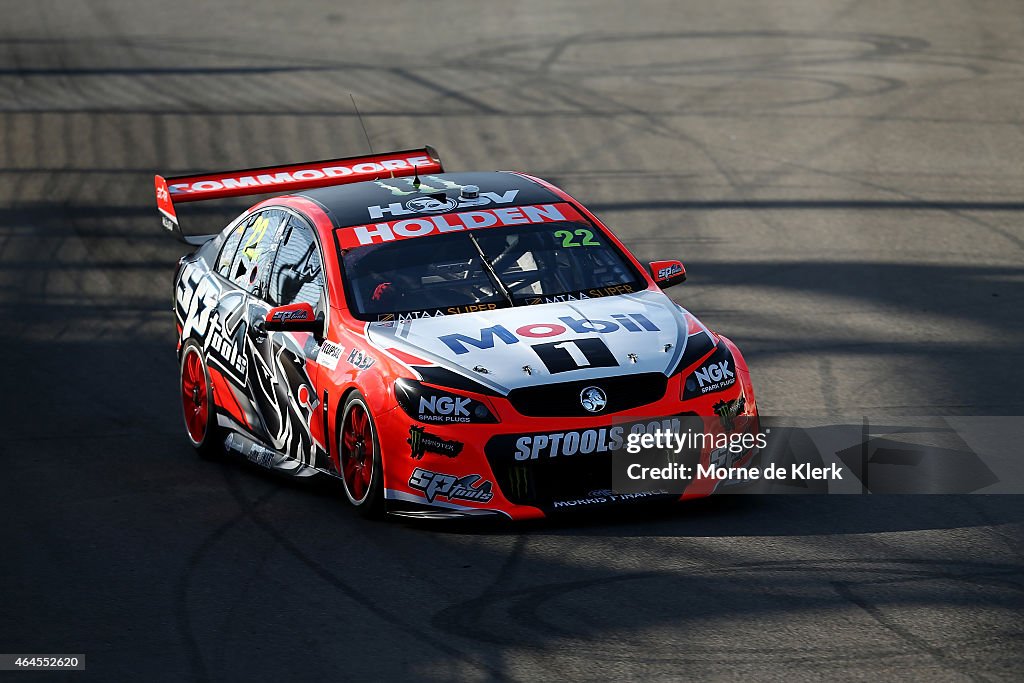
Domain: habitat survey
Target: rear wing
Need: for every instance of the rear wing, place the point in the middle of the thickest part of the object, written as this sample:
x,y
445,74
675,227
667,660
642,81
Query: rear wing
x,y
286,178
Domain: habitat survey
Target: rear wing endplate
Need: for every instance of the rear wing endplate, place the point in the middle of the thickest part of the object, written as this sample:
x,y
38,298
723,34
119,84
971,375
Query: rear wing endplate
x,y
286,178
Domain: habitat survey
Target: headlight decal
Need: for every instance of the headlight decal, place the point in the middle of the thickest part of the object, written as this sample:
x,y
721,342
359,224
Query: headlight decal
x,y
437,406
697,346
716,373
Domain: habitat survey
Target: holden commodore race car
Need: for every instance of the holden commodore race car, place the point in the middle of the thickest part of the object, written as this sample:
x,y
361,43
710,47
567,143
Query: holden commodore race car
x,y
443,344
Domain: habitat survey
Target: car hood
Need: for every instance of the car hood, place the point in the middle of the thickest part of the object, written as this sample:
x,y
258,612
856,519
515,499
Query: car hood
x,y
559,342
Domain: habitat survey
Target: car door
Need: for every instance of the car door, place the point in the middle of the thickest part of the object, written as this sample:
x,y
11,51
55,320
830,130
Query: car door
x,y
249,268
225,337
285,391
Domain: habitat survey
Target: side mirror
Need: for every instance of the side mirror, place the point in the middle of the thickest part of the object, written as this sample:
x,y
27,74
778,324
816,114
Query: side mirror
x,y
294,318
668,273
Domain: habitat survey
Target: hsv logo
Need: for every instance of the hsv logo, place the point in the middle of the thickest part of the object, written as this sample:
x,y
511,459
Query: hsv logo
x,y
360,359
418,205
631,322
378,233
435,205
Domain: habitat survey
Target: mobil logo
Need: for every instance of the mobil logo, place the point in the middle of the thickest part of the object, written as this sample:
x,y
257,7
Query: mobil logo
x,y
487,337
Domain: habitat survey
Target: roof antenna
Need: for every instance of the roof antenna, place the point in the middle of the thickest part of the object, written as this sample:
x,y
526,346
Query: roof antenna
x,y
416,179
362,125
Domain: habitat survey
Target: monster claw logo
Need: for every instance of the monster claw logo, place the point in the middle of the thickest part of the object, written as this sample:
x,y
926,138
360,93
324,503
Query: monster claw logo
x,y
728,411
394,189
421,441
415,441
448,184
519,481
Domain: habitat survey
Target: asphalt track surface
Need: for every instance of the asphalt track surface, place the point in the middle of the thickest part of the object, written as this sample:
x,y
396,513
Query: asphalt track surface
x,y
843,180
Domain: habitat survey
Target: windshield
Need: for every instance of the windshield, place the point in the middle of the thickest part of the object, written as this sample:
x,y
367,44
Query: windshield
x,y
483,269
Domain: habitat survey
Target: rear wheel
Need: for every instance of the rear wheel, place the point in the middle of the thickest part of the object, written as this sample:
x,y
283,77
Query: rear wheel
x,y
197,402
359,459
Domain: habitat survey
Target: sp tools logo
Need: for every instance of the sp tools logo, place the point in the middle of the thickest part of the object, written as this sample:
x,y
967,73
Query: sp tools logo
x,y
437,485
576,442
666,273
293,314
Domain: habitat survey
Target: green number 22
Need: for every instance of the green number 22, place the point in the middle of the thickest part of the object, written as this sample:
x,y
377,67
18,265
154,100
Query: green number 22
x,y
567,238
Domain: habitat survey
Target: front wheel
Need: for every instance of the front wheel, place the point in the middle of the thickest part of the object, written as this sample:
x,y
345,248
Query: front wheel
x,y
362,475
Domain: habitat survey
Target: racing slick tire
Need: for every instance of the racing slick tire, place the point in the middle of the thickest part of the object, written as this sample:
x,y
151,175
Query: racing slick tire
x,y
198,408
359,461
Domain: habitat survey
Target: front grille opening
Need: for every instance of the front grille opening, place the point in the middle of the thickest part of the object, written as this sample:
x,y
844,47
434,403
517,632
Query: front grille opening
x,y
563,399
543,482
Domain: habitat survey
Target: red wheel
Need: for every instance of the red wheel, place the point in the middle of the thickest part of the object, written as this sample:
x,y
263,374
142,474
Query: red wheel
x,y
359,457
197,401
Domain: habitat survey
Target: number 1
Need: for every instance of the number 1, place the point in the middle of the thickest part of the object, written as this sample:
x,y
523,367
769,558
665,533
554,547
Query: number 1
x,y
574,351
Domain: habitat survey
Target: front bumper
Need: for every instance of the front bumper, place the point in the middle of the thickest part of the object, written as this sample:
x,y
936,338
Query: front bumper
x,y
437,471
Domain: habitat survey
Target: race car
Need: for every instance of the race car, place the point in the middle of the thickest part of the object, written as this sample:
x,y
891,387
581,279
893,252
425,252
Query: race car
x,y
443,344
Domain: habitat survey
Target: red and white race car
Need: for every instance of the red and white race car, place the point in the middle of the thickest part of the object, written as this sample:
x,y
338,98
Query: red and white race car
x,y
444,344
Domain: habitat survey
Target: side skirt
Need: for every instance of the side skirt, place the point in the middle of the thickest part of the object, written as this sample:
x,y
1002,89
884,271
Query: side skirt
x,y
258,453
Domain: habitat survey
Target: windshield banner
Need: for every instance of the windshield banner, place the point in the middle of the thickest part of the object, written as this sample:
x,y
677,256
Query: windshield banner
x,y
380,233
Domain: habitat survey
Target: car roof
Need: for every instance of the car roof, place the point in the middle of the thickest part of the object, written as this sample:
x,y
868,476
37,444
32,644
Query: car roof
x,y
384,200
